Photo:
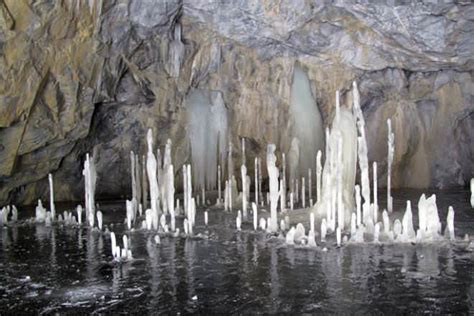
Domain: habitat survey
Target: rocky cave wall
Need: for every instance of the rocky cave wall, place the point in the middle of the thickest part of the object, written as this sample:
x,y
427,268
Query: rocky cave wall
x,y
93,76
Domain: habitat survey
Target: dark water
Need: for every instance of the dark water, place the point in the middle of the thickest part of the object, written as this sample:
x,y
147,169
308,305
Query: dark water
x,y
70,270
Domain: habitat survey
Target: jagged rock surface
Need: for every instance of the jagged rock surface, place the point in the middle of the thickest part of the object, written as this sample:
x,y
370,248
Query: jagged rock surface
x,y
93,76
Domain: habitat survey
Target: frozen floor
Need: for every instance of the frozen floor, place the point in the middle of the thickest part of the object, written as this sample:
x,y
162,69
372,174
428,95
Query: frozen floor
x,y
70,270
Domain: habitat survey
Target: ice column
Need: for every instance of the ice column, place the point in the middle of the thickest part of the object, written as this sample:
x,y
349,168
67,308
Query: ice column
x,y
51,197
273,178
390,142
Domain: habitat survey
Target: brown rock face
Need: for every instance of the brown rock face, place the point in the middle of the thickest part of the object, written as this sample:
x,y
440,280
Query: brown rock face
x,y
93,76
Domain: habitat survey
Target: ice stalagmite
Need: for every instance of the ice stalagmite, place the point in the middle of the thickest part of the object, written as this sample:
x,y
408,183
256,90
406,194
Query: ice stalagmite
x,y
170,195
52,208
408,233
318,175
245,194
151,166
256,180
255,216
144,184
391,150
430,225
376,203
219,193
90,177
450,224
344,127
472,192
362,152
274,193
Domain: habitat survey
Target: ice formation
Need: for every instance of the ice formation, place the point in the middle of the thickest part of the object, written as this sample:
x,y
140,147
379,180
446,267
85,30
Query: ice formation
x,y
79,214
40,212
238,220
318,176
344,128
90,177
472,192
100,219
391,150
207,132
362,153
151,166
274,193
120,254
52,208
307,123
255,216
429,223
206,219
300,233
245,194
290,236
450,224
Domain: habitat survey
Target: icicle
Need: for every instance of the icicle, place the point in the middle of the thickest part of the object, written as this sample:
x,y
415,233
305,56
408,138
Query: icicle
x,y
170,195
353,223
291,201
310,189
386,222
311,222
255,216
256,180
206,218
376,232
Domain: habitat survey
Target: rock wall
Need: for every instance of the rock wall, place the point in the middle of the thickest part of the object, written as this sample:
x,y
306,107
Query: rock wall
x,y
93,76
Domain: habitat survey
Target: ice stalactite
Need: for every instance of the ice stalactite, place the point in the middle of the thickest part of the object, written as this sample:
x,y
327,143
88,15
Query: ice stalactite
x,y
273,174
307,122
151,166
52,208
90,177
391,150
219,187
176,52
207,132
255,216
